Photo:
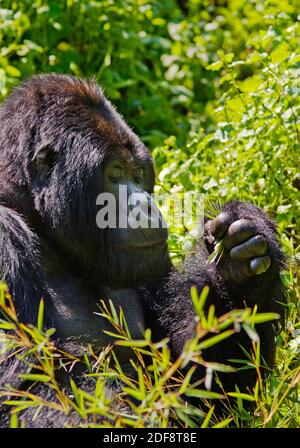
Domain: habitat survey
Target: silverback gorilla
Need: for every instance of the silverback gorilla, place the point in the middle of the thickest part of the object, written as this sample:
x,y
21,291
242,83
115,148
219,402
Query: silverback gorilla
x,y
61,144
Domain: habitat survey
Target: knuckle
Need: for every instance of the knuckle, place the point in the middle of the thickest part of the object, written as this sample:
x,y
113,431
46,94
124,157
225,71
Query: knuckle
x,y
220,224
239,231
255,246
260,242
207,225
238,226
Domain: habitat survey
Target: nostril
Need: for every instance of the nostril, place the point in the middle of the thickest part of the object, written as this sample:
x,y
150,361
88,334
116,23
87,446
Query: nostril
x,y
140,205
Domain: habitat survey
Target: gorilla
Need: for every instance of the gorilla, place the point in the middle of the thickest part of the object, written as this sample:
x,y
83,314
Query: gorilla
x,y
62,143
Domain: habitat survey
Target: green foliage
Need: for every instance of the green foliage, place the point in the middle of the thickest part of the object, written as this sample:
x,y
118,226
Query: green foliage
x,y
214,92
150,394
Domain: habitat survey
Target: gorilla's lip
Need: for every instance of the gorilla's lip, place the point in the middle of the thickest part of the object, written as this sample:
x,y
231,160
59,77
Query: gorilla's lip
x,y
148,245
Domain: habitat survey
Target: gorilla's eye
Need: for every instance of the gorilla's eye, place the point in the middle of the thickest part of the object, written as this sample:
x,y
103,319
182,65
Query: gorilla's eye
x,y
139,174
51,159
116,174
45,159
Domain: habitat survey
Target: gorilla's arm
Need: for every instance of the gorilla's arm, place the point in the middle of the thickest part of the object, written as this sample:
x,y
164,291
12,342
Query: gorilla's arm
x,y
235,281
19,267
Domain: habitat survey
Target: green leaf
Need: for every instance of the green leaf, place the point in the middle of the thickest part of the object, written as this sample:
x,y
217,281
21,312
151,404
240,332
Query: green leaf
x,y
41,315
35,377
197,393
281,52
215,66
264,317
251,84
21,404
208,417
223,423
134,393
12,71
242,396
132,343
216,339
199,302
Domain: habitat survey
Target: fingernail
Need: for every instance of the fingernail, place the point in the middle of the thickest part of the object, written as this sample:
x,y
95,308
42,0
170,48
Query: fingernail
x,y
260,265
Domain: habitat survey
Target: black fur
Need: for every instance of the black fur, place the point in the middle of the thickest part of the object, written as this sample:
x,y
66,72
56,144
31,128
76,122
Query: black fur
x,y
56,135
174,310
19,259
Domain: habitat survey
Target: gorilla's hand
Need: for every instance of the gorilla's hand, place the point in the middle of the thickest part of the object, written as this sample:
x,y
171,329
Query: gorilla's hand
x,y
245,250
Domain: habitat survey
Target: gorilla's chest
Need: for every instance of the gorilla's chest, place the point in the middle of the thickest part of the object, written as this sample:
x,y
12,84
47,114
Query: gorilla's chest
x,y
78,308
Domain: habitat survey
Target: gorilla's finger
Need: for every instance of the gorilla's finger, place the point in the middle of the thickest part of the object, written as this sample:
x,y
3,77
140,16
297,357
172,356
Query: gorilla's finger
x,y
260,265
220,224
256,246
207,232
238,232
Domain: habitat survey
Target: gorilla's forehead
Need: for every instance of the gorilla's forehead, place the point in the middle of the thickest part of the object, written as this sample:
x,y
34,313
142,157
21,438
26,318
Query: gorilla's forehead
x,y
128,153
85,113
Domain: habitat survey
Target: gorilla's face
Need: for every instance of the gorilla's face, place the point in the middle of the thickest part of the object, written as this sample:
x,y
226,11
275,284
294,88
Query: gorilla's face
x,y
135,232
104,217
82,154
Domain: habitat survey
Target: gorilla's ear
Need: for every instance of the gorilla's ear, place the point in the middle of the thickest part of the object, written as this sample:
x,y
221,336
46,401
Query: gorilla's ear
x,y
44,159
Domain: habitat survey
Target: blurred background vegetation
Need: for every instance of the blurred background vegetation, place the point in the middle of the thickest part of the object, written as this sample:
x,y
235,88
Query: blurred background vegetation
x,y
211,86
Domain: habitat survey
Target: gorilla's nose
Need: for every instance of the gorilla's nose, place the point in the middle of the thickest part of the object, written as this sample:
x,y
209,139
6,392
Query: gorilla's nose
x,y
144,213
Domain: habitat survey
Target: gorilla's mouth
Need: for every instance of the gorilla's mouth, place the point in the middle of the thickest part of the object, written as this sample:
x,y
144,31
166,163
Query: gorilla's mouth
x,y
148,245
